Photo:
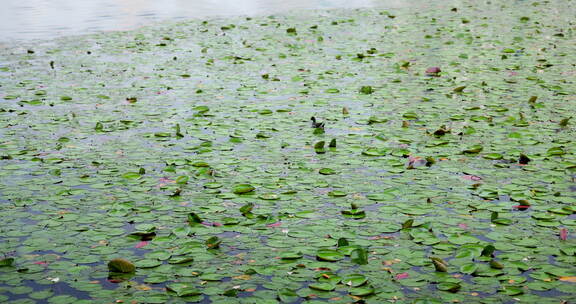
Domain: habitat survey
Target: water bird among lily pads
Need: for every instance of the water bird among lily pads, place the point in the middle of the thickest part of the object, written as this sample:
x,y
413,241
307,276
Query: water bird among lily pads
x,y
317,124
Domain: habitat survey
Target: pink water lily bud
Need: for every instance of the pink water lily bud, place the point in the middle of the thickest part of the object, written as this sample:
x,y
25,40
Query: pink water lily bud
x,y
141,244
563,234
403,275
471,177
433,70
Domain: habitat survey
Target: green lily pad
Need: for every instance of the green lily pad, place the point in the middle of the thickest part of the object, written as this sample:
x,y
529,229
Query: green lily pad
x,y
374,152
366,90
246,209
131,175
213,242
213,277
361,291
329,255
556,151
121,266
322,286
180,260
148,263
359,256
493,156
337,193
354,280
243,188
473,149
182,180
354,213
287,295
468,268
327,171
269,196
194,219
448,286
6,262
183,289
290,255
439,264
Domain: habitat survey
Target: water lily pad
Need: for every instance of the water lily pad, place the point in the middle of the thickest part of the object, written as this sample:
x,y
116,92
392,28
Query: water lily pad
x,y
448,286
374,152
287,295
359,256
322,286
243,188
473,149
329,255
121,266
290,255
468,268
213,185
183,289
131,175
381,196
213,242
354,280
361,291
327,171
6,262
247,208
148,263
182,180
493,156
269,196
194,219
439,264
354,213
211,277
556,151
337,193
366,90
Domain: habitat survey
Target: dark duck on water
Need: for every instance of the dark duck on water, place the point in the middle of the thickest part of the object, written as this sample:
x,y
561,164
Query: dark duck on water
x,y
317,124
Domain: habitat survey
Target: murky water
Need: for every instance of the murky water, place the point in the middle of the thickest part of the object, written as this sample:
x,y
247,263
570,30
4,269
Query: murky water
x,y
45,19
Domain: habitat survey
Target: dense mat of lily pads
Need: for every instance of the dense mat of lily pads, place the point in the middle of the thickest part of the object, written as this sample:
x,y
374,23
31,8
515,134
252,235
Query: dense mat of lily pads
x,y
440,167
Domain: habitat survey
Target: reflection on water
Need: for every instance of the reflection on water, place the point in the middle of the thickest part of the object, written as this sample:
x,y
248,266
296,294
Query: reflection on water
x,y
41,19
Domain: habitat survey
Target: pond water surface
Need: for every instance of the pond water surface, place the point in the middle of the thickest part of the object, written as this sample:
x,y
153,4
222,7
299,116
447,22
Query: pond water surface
x,y
45,19
177,162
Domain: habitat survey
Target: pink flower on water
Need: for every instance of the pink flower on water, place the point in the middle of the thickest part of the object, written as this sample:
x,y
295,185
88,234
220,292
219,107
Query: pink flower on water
x,y
471,177
403,275
563,234
433,71
141,244
211,224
